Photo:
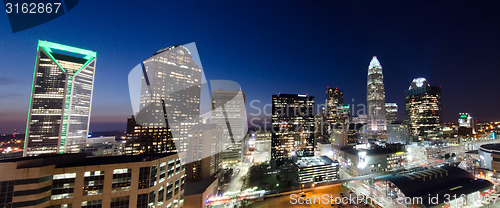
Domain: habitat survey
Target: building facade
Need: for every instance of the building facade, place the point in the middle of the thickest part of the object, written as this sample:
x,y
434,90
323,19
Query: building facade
x,y
169,101
228,111
72,180
334,104
61,98
398,132
366,161
147,139
489,156
423,110
391,113
375,97
317,169
293,126
262,146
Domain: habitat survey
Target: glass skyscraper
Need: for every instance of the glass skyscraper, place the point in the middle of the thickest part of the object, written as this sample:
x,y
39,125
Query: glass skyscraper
x,y
293,126
375,97
228,109
168,100
391,113
61,98
423,110
334,104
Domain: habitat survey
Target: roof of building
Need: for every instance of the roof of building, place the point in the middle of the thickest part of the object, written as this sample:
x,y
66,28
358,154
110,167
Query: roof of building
x,y
377,150
374,63
491,148
80,159
197,187
437,181
314,161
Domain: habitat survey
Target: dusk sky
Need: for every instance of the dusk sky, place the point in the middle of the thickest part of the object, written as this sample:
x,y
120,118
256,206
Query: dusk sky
x,y
286,46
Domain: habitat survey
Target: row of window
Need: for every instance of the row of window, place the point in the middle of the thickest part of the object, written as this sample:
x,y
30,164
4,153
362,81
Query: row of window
x,y
63,184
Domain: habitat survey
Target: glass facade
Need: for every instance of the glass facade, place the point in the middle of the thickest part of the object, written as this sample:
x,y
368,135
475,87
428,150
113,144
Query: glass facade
x,y
293,126
92,204
144,176
423,110
63,186
120,202
228,109
121,179
171,85
93,183
61,98
6,193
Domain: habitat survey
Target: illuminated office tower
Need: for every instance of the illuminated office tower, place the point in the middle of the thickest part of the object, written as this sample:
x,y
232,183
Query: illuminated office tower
x,y
423,110
391,112
465,120
293,126
375,98
466,124
334,114
228,109
169,102
61,98
334,104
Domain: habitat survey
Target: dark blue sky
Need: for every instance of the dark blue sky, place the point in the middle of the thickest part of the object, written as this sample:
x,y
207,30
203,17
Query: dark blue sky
x,y
285,46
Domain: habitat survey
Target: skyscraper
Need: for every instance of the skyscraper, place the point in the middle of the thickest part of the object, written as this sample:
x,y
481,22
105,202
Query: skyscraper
x,y
169,101
61,98
423,110
391,112
334,104
466,124
335,116
375,97
228,109
293,126
148,139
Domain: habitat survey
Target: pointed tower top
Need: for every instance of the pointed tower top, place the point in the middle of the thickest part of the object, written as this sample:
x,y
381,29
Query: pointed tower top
x,y
374,63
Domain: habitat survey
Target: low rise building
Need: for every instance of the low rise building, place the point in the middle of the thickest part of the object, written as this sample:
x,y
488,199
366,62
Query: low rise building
x,y
377,159
489,156
197,193
103,146
74,180
317,169
431,187
425,150
324,149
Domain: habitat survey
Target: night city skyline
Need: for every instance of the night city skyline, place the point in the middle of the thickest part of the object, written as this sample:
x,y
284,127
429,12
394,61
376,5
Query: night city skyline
x,y
272,48
218,104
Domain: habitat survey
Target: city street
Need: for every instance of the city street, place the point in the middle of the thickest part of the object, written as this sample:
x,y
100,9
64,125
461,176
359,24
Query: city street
x,y
285,200
240,171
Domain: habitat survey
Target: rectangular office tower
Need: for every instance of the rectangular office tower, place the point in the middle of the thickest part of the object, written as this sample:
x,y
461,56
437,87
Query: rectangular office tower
x,y
170,87
423,110
61,98
228,111
293,126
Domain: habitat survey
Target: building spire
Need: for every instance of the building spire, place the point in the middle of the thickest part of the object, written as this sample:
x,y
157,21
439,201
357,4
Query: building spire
x,y
374,63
